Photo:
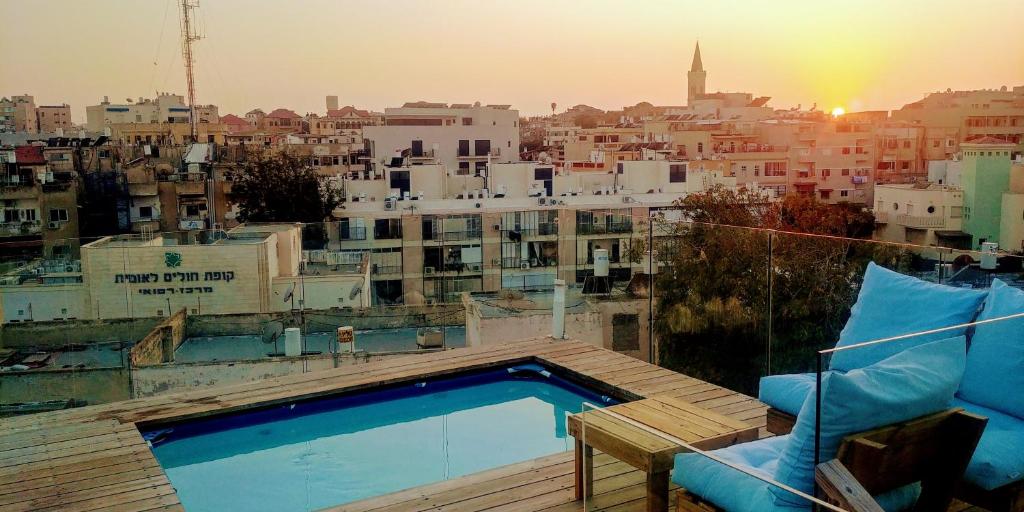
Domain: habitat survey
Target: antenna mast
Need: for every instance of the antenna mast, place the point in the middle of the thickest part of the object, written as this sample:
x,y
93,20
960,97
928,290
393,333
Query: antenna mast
x,y
188,35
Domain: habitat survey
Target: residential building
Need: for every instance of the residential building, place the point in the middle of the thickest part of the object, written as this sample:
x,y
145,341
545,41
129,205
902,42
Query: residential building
x,y
165,108
54,118
280,120
1011,221
18,114
953,117
235,124
40,207
925,214
985,177
459,136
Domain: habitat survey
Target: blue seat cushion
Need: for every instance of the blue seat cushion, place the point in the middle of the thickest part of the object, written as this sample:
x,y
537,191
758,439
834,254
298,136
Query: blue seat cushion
x,y
737,491
892,304
918,381
995,361
786,392
999,458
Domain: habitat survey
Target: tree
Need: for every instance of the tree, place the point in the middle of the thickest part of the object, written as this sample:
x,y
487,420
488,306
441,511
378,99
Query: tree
x,y
714,296
283,188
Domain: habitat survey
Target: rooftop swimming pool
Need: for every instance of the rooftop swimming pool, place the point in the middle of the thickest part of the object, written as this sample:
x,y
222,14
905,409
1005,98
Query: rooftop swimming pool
x,y
314,454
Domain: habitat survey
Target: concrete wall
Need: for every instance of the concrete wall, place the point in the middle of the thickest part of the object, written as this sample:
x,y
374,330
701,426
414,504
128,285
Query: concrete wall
x,y
93,385
171,378
159,345
62,332
359,319
586,327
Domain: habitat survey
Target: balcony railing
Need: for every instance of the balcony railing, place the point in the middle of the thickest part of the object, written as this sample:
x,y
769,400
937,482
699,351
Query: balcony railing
x,y
920,221
31,227
455,236
601,229
378,269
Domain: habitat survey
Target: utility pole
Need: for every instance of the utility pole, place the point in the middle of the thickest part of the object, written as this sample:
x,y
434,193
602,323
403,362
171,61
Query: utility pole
x,y
188,36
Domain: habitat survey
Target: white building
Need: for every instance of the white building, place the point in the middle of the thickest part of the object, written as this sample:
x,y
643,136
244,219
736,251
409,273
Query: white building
x,y
926,214
459,136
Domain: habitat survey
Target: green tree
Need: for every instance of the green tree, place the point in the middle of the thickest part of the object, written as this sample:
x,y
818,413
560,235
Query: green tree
x,y
282,188
714,297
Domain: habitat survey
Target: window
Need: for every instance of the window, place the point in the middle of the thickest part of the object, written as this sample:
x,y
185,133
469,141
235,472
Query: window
x,y
619,167
935,143
825,173
775,168
846,151
906,144
700,147
58,215
677,173
844,193
191,210
481,168
542,173
931,209
387,229
145,212
463,148
846,172
463,169
467,121
481,147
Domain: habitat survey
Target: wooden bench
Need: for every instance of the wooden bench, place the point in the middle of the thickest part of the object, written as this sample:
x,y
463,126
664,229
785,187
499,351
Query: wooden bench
x,y
629,441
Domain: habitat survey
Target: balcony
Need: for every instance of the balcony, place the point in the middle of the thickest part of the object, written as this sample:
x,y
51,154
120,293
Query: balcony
x,y
378,269
454,236
33,227
142,189
426,154
190,188
606,228
920,221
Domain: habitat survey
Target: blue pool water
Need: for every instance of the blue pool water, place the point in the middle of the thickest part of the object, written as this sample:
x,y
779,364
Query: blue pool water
x,y
310,455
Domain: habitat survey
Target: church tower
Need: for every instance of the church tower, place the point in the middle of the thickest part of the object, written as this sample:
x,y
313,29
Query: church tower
x,y
696,78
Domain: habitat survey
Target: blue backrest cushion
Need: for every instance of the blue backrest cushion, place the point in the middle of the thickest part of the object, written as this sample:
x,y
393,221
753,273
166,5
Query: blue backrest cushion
x,y
918,381
995,360
892,304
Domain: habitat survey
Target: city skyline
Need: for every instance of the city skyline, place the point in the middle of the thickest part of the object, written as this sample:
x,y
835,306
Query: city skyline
x,y
530,55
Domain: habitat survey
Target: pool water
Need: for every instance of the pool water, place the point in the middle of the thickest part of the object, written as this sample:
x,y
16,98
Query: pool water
x,y
311,455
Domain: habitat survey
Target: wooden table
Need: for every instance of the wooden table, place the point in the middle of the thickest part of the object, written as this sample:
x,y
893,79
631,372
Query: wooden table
x,y
644,450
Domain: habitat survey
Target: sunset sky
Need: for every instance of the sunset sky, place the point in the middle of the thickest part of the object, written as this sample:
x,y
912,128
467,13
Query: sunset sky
x,y
373,54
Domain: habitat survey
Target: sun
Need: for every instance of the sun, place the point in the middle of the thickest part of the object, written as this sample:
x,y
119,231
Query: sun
x,y
838,111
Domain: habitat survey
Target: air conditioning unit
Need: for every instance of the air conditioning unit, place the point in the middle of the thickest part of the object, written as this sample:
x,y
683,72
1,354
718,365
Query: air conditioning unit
x,y
389,204
524,266
53,225
474,267
428,271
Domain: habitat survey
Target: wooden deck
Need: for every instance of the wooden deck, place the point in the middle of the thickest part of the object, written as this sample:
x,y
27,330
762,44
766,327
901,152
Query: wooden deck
x,y
94,458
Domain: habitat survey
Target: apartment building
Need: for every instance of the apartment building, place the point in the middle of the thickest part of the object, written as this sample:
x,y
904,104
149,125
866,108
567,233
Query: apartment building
x,y
925,214
430,232
464,137
900,152
54,118
18,114
40,207
166,108
166,133
985,177
951,118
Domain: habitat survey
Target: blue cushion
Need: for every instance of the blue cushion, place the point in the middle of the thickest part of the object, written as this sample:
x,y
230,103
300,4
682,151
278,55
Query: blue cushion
x,y
736,491
995,361
891,304
918,381
786,392
999,458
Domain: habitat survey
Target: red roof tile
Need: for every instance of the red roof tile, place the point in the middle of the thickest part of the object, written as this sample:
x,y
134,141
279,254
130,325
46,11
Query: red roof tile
x,y
283,113
32,155
344,111
233,120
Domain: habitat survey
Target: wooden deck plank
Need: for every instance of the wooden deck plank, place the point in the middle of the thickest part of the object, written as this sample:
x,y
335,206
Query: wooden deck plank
x,y
93,458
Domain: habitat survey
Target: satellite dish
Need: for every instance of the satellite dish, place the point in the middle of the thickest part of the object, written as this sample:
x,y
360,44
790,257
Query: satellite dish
x,y
272,331
289,293
356,290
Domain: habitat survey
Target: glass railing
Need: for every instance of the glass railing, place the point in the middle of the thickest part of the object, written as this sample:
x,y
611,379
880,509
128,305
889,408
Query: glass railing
x,y
730,304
